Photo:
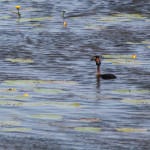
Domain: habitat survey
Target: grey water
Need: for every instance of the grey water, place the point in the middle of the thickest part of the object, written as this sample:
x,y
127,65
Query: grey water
x,y
63,54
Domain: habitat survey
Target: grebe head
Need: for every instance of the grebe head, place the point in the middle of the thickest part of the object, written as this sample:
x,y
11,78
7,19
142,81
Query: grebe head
x,y
97,60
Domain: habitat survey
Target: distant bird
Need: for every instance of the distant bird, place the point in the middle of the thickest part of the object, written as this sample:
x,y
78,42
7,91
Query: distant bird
x,y
98,74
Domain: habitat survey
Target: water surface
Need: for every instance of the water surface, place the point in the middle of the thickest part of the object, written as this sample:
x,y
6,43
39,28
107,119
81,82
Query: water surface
x,y
65,93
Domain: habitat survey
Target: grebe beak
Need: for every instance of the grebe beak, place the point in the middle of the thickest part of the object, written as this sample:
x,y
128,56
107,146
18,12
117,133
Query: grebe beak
x,y
94,58
91,59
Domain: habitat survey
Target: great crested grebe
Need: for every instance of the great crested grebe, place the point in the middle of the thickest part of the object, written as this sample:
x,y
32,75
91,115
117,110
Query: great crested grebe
x,y
98,74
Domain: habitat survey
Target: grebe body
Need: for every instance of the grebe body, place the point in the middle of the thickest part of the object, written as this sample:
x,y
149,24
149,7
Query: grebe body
x,y
107,76
98,74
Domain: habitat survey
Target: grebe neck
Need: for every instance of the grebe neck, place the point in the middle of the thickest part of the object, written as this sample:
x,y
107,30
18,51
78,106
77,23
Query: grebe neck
x,y
98,70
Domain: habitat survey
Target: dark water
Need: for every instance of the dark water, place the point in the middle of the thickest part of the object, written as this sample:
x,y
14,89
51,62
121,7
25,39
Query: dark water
x,y
63,54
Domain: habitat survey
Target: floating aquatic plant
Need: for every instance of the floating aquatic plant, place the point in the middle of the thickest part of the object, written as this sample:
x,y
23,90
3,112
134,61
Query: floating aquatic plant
x,y
18,97
132,43
16,129
5,17
11,103
60,104
11,90
40,29
131,16
32,9
87,120
114,20
46,116
18,9
34,24
21,82
135,101
145,42
133,56
131,130
59,82
34,19
35,82
75,104
142,42
131,91
35,104
95,27
116,56
88,129
9,123
48,91
19,60
123,61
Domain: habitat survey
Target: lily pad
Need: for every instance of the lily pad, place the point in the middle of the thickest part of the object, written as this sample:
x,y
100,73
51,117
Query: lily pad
x,y
59,82
56,104
75,104
65,104
16,129
19,60
88,129
135,101
34,24
46,116
142,42
35,104
87,120
131,16
9,123
48,91
18,97
145,42
95,27
132,43
31,9
131,91
131,130
123,61
116,56
11,90
34,19
34,82
11,103
5,17
127,63
21,82
114,20
39,28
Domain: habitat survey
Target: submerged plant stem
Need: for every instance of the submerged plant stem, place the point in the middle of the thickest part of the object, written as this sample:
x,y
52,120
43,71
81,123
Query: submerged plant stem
x,y
19,14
